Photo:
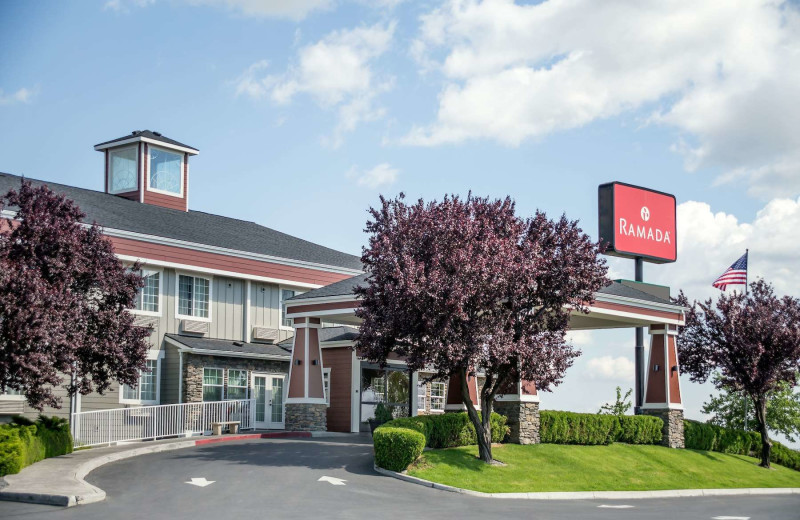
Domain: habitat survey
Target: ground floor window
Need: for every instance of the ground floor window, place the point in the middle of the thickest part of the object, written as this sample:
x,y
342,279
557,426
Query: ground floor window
x,y
422,396
391,386
146,390
326,385
212,384
237,384
437,396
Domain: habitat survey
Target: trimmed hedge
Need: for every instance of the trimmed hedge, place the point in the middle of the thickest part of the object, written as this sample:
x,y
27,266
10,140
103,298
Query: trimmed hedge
x,y
592,429
24,444
396,448
447,430
708,437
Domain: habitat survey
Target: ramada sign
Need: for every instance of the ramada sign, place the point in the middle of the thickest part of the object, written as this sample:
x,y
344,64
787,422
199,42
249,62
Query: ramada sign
x,y
638,222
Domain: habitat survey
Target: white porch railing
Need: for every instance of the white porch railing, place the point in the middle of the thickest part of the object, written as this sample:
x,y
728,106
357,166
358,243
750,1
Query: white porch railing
x,y
154,422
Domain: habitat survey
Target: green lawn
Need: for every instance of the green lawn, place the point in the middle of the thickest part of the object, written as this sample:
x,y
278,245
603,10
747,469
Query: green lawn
x,y
554,467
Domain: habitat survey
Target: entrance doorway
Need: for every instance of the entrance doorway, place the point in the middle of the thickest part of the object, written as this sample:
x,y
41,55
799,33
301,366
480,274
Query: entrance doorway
x,y
269,390
390,386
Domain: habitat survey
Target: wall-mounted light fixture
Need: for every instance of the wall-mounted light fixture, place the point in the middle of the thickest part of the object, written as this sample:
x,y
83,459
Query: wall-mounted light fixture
x,y
674,368
314,362
656,368
298,361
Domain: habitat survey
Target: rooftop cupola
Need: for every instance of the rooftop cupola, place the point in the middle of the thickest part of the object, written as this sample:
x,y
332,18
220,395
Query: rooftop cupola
x,y
147,167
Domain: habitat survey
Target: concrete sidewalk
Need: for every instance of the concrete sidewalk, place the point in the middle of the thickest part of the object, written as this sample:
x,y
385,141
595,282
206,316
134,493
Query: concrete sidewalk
x,y
60,480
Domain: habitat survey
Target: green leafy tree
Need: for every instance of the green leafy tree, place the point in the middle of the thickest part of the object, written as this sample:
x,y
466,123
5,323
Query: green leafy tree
x,y
730,409
620,407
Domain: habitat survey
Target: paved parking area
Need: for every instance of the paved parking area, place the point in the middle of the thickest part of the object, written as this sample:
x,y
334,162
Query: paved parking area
x,y
280,479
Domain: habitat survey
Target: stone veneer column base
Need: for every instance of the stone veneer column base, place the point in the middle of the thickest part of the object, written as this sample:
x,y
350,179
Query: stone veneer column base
x,y
672,433
306,417
523,420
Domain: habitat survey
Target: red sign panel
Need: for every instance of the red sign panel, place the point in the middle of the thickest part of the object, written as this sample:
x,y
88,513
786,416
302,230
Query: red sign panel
x,y
638,222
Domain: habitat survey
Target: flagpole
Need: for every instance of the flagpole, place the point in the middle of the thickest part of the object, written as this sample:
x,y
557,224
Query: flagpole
x,y
746,278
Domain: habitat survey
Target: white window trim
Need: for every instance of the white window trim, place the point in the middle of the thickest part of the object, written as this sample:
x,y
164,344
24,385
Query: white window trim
x,y
228,385
8,397
443,398
281,288
149,172
327,372
210,279
203,383
157,355
160,294
108,168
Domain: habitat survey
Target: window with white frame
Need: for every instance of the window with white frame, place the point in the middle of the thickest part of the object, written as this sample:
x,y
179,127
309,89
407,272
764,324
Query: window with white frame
x,y
123,169
194,294
149,296
146,390
11,394
237,384
165,171
212,384
422,395
285,295
326,385
437,396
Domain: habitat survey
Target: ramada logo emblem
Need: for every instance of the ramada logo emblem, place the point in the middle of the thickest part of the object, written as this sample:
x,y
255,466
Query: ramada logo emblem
x,y
645,213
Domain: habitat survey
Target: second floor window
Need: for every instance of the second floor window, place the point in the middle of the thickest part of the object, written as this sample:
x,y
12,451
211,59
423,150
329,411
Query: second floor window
x,y
193,296
123,170
148,298
285,295
165,171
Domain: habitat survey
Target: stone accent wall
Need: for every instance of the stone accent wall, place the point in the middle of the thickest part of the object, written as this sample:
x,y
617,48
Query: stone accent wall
x,y
672,433
193,372
306,417
523,420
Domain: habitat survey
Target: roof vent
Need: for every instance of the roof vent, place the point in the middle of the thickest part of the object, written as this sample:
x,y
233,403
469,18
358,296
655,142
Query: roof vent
x,y
157,133
135,132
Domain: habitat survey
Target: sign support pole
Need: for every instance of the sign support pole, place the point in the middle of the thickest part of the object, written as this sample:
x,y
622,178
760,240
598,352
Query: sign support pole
x,y
639,350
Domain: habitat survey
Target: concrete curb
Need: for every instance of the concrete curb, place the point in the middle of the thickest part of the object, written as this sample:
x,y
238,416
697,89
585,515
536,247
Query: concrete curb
x,y
589,495
94,494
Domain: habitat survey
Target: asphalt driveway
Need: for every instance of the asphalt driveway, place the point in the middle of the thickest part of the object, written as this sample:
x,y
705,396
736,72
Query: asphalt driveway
x,y
280,479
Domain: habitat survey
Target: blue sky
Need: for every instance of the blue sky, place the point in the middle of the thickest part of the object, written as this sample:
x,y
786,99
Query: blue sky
x,y
304,112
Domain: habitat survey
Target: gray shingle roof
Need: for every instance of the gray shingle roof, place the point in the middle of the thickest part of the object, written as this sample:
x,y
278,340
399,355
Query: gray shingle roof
x,y
340,288
156,136
340,333
192,226
224,346
346,287
618,289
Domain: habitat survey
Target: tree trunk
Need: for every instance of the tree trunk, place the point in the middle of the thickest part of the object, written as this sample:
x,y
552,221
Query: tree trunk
x,y
483,428
761,416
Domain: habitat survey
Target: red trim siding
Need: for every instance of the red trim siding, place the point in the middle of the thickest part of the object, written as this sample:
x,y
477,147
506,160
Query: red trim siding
x,y
323,306
297,381
164,253
656,391
674,386
638,310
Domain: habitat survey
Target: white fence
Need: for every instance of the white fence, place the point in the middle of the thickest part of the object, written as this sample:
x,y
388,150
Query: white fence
x,y
154,422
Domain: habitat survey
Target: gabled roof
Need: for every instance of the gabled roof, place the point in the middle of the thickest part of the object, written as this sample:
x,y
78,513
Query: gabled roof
x,y
618,289
209,346
138,135
114,212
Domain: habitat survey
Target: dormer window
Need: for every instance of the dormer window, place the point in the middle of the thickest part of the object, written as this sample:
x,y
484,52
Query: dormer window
x,y
123,167
165,172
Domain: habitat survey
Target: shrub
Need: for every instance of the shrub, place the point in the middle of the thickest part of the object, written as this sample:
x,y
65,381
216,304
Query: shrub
x,y
639,429
708,437
383,413
577,428
396,448
24,444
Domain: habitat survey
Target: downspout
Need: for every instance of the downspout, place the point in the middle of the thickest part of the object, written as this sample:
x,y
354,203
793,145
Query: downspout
x,y
180,376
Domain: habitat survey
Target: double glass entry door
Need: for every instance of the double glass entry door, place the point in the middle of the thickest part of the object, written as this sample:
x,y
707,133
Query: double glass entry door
x,y
269,394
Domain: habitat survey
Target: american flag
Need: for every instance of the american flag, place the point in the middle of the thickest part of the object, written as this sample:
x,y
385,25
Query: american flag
x,y
735,275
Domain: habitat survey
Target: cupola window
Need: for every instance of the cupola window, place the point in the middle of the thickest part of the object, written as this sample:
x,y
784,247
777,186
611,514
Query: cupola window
x,y
123,168
165,171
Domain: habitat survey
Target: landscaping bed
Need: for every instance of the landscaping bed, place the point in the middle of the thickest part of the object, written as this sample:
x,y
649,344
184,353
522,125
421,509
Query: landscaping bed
x,y
616,467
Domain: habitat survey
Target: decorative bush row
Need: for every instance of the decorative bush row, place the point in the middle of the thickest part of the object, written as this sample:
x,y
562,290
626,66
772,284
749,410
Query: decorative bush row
x,y
704,436
592,429
24,442
397,450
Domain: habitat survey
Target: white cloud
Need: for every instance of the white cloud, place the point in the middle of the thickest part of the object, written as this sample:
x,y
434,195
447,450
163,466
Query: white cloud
x,y
381,175
619,369
723,73
23,95
293,10
337,72
579,338
709,242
